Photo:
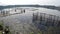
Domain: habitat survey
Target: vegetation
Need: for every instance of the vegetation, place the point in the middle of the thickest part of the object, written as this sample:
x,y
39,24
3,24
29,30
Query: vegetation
x,y
4,30
43,6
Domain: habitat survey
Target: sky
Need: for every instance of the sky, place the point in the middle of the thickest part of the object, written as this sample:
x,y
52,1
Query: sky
x,y
27,2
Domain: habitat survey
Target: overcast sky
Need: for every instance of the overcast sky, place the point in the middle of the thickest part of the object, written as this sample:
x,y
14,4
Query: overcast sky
x,y
20,2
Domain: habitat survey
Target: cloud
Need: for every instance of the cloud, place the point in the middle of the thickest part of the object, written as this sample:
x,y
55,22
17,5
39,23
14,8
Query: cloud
x,y
41,2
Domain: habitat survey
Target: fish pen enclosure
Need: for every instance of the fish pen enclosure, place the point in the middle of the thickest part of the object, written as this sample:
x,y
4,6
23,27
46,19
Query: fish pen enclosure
x,y
47,23
11,12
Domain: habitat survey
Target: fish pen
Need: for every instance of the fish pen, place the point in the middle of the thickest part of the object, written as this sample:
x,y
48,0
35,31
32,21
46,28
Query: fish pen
x,y
11,12
47,23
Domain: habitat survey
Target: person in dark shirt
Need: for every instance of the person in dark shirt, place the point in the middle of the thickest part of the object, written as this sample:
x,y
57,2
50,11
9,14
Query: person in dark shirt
x,y
24,10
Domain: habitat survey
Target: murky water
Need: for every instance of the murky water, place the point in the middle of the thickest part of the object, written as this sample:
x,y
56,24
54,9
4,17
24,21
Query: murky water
x,y
23,22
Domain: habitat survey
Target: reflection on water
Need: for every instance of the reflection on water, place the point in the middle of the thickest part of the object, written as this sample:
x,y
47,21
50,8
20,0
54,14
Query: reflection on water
x,y
46,23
